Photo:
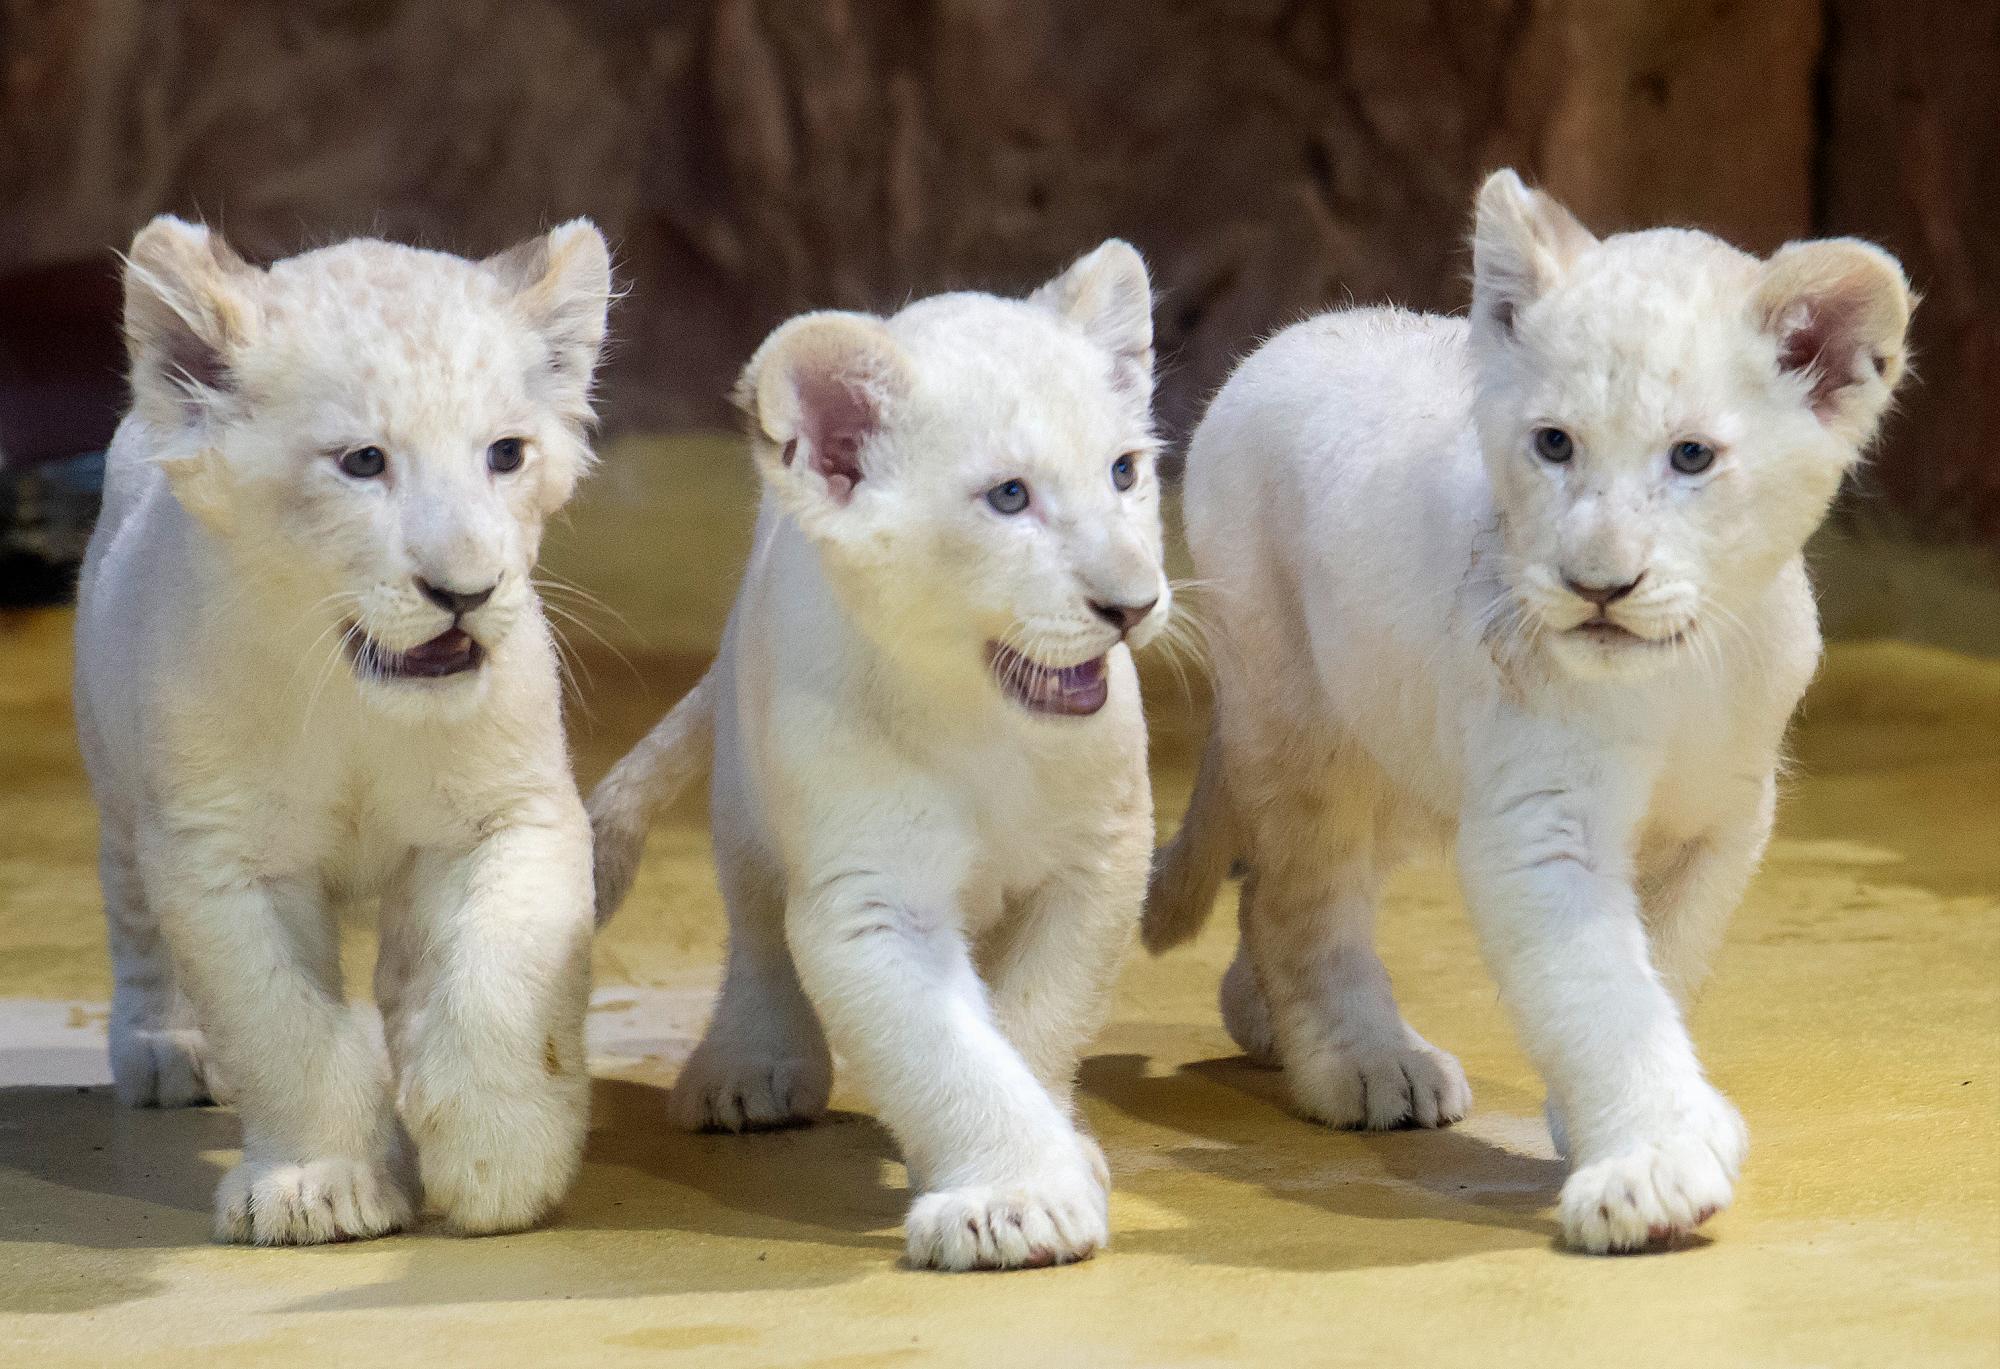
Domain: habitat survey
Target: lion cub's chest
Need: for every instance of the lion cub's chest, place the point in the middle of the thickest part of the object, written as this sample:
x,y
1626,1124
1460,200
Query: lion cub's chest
x,y
1713,762
348,817
1040,811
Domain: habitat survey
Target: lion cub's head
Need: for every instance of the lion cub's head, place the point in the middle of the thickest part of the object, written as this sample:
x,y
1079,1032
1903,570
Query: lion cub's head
x,y
374,433
1664,418
980,474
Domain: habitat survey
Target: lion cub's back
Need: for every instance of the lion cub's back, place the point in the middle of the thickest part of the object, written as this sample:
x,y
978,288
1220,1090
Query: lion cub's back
x,y
129,596
1343,444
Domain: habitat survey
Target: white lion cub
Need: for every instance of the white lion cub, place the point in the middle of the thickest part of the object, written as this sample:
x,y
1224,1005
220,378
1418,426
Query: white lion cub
x,y
311,665
930,805
1530,584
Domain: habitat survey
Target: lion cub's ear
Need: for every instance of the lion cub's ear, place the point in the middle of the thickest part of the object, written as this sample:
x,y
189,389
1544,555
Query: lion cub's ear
x,y
1839,310
1523,243
1106,293
819,394
561,281
190,310
190,307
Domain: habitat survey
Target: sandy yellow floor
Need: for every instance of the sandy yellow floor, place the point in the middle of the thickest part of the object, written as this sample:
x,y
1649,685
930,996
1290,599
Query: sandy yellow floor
x,y
1856,1020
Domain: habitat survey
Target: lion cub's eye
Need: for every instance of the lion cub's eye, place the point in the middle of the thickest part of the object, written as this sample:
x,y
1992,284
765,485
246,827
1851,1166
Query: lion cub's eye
x,y
1010,496
1553,445
1124,472
1691,458
363,463
505,455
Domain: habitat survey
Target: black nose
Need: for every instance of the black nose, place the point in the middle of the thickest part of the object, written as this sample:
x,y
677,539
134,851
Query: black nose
x,y
456,602
1124,617
1603,595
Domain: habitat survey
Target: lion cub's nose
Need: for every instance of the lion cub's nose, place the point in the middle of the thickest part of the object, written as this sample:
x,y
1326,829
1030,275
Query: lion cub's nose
x,y
1603,595
1124,617
457,602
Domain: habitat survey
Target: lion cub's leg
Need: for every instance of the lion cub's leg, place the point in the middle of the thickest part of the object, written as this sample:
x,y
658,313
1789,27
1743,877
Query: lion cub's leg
x,y
1245,1014
1052,970
159,1057
1309,928
763,1061
1688,891
1543,857
492,1077
1687,894
1004,1178
260,961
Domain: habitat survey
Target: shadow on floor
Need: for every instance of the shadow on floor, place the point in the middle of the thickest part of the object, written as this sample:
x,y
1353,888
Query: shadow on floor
x,y
1235,1126
112,1192
659,1211
121,1186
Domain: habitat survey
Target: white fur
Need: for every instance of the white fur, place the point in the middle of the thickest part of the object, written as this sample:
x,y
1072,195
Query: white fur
x,y
919,870
248,775
1395,666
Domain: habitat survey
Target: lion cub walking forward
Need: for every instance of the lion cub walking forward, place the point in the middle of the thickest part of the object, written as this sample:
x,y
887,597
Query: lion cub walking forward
x,y
311,664
1531,583
930,805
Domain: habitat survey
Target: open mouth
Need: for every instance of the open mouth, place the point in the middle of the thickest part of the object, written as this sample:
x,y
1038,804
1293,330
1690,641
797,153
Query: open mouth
x,y
451,652
1604,632
1074,691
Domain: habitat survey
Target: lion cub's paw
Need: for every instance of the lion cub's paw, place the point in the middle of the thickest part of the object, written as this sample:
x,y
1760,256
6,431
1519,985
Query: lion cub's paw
x,y
159,1067
1655,1192
719,1090
1380,1088
493,1161
1055,1217
284,1202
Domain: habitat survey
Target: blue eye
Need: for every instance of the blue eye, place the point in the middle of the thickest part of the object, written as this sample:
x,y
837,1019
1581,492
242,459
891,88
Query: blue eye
x,y
363,463
1691,458
505,455
1124,472
1008,497
1553,445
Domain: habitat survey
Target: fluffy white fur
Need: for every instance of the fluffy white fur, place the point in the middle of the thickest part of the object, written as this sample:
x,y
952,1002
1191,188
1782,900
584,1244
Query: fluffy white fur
x,y
254,761
920,870
1399,570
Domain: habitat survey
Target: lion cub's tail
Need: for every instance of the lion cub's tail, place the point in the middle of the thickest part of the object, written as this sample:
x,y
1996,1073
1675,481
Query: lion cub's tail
x,y
652,775
1188,870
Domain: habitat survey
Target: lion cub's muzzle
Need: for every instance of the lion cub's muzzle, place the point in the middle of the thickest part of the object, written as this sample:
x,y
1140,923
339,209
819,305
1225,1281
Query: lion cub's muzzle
x,y
454,651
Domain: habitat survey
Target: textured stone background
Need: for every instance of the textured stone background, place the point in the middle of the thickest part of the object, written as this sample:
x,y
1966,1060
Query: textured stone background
x,y
754,157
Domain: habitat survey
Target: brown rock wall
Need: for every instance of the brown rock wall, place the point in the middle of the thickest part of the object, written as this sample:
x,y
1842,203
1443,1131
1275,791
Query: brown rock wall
x,y
754,157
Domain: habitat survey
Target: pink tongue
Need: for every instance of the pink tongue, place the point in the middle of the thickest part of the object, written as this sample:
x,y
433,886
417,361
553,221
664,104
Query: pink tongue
x,y
447,645
1069,681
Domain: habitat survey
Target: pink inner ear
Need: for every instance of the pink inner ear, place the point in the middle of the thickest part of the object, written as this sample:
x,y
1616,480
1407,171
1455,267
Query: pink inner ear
x,y
836,415
191,358
1818,342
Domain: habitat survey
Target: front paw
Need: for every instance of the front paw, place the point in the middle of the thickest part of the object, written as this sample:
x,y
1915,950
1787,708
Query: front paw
x,y
1656,1191
284,1202
494,1161
1057,1214
1381,1087
726,1088
163,1067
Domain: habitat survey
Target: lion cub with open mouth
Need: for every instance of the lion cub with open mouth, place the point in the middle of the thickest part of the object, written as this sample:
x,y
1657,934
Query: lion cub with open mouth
x,y
930,805
1529,584
310,664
